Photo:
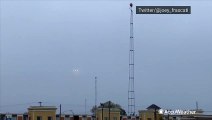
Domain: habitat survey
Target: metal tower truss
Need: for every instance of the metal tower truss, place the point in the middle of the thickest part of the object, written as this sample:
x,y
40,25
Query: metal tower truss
x,y
131,92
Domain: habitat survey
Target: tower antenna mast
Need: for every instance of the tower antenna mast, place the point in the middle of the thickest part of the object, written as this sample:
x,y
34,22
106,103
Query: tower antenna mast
x,y
131,92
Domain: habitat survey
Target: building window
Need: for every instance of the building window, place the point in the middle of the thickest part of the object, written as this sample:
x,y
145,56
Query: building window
x,y
39,118
114,118
49,118
105,118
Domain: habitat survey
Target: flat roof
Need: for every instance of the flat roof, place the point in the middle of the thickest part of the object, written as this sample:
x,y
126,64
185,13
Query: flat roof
x,y
42,108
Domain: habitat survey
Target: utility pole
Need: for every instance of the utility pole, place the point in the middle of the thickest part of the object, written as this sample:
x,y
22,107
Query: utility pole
x,y
85,105
131,92
109,109
102,105
155,115
95,96
60,111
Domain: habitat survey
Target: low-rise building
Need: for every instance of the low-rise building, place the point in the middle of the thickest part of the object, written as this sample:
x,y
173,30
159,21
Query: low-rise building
x,y
151,113
42,113
108,114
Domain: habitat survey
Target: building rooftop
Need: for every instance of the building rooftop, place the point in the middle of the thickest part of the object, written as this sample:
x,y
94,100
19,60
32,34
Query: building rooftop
x,y
42,108
153,106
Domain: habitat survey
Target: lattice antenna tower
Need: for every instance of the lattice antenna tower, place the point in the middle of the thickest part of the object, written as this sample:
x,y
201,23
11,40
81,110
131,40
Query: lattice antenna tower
x,y
131,91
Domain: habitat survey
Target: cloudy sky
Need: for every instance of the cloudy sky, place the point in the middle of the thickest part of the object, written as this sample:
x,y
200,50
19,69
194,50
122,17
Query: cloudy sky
x,y
52,50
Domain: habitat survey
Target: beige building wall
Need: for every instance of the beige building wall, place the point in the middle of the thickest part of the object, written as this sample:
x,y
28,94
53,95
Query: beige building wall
x,y
149,115
114,114
42,113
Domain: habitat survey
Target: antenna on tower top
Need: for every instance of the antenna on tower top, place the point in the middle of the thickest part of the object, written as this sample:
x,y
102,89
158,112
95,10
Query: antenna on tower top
x,y
40,103
131,5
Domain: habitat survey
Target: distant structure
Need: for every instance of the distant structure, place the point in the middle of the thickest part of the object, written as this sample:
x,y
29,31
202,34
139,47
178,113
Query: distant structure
x,y
197,106
131,92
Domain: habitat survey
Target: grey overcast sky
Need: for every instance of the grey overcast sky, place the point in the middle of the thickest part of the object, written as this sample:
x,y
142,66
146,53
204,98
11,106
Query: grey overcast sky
x,y
44,42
